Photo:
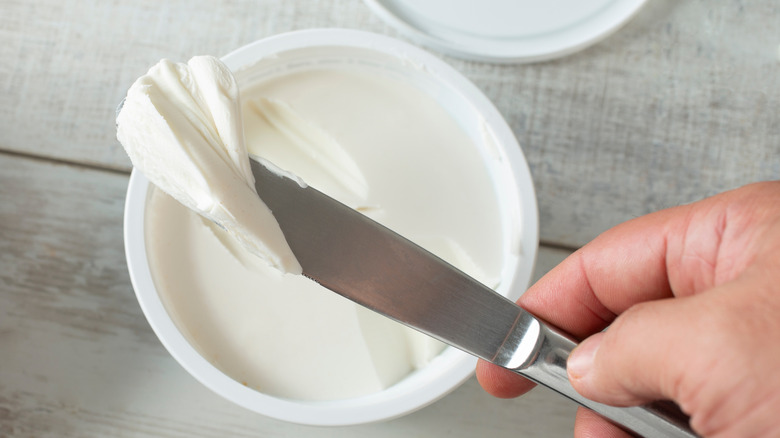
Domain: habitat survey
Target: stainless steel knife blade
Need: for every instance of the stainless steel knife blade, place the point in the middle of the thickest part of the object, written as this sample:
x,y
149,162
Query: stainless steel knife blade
x,y
360,259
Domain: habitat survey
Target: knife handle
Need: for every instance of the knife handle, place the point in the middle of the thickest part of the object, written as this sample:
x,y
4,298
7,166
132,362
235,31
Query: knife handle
x,y
548,368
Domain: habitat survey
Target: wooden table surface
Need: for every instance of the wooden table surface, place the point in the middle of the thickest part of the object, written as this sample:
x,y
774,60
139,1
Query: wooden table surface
x,y
680,104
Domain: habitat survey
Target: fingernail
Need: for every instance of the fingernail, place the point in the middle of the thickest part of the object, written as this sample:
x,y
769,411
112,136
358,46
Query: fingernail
x,y
580,360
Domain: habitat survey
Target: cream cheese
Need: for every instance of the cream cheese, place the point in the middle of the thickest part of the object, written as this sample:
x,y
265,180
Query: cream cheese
x,y
375,143
181,126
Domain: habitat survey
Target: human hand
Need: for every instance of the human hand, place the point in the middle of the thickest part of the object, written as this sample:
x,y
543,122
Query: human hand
x,y
691,296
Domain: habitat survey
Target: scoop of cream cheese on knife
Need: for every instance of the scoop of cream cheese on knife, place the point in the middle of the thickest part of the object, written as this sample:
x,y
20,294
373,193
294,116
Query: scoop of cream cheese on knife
x,y
181,126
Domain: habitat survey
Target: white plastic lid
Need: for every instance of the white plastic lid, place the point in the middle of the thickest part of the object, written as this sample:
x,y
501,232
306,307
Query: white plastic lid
x,y
506,31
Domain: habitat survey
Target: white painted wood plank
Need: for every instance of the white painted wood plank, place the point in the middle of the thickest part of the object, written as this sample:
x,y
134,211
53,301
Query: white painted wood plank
x,y
69,63
77,358
679,104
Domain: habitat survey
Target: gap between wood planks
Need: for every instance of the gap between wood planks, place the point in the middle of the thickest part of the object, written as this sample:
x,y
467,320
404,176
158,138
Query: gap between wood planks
x,y
119,171
52,160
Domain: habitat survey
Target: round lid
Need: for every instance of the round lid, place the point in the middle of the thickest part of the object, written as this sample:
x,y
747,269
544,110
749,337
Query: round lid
x,y
506,31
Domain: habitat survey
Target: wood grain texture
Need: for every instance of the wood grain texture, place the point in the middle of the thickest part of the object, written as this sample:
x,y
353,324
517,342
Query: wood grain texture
x,y
78,359
68,64
679,104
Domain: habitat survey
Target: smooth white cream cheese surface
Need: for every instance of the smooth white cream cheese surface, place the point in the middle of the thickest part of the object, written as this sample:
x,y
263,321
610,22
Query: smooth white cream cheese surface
x,y
375,143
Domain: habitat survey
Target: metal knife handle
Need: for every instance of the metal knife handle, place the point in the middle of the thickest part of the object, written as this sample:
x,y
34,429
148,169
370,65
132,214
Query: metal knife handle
x,y
548,367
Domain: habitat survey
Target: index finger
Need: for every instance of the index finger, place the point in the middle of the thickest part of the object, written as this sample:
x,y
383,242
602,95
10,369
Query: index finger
x,y
623,266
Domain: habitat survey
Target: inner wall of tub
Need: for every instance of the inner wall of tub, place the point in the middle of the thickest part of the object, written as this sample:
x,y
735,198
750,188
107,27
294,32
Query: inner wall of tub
x,y
401,67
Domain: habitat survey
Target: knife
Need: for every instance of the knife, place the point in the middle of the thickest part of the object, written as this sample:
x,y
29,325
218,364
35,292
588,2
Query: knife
x,y
360,259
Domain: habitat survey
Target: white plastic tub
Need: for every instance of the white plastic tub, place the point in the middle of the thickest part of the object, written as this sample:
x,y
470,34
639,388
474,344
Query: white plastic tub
x,y
337,48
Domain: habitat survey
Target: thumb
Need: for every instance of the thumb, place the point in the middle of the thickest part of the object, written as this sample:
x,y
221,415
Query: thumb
x,y
710,353
643,356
